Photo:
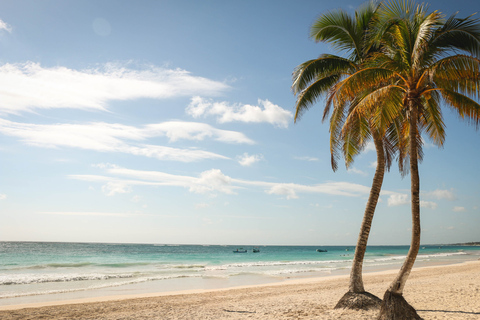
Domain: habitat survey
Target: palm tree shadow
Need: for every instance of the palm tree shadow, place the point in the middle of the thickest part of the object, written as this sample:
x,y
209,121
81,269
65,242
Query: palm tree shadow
x,y
448,311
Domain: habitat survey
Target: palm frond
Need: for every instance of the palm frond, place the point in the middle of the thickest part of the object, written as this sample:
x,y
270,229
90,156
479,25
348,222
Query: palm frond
x,y
364,79
467,109
424,34
432,119
459,34
338,29
309,96
312,70
458,73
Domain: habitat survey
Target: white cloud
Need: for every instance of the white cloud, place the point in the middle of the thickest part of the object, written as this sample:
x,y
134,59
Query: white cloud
x,y
208,182
287,190
29,86
373,164
114,187
215,181
201,205
369,147
106,214
177,130
3,196
307,158
440,194
212,180
225,112
459,209
136,198
397,200
105,137
5,26
428,204
247,160
356,171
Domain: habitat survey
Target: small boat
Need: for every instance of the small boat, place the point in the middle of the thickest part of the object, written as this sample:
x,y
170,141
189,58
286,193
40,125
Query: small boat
x,y
321,250
240,250
255,250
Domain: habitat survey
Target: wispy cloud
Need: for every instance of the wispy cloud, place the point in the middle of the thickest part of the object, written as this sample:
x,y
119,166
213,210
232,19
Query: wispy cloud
x,y
307,158
369,147
440,194
208,182
428,204
99,214
397,200
3,196
202,205
402,199
215,181
247,160
182,130
106,137
459,209
5,26
29,86
265,111
356,171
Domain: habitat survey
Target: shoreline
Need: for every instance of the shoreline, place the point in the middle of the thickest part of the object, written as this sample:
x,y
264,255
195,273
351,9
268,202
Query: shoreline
x,y
336,283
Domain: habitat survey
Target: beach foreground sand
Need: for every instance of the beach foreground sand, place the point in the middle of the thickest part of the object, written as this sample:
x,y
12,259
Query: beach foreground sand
x,y
442,292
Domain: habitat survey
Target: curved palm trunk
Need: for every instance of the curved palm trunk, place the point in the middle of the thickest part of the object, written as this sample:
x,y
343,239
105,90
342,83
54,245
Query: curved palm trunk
x,y
356,281
356,297
394,306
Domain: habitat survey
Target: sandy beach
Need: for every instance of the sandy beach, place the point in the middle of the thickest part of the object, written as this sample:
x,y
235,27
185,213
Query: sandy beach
x,y
440,292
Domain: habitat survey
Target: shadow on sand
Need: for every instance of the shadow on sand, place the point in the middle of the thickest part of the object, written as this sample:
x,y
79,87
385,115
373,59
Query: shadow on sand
x,y
448,311
238,311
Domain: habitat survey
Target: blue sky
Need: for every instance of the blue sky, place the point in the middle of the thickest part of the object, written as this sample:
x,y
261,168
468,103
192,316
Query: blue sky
x,y
172,122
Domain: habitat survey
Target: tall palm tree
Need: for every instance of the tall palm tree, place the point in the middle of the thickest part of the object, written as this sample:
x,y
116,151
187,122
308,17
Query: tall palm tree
x,y
423,60
320,77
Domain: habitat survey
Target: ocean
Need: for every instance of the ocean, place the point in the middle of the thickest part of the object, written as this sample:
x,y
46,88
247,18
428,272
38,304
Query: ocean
x,y
48,271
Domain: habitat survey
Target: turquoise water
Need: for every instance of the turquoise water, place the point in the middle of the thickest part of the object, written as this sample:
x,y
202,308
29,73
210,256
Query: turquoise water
x,y
45,269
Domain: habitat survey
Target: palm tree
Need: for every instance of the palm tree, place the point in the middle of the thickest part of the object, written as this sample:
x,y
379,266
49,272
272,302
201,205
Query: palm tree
x,y
320,77
423,60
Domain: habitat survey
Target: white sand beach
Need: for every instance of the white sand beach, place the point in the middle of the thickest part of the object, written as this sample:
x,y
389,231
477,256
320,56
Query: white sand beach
x,y
439,292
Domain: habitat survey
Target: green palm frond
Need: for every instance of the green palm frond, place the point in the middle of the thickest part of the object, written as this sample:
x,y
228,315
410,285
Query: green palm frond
x,y
312,70
459,34
425,32
311,94
432,119
457,73
466,108
338,29
355,139
364,79
336,119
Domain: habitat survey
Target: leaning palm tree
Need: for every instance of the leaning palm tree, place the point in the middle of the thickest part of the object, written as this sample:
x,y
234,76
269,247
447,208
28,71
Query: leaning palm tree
x,y
423,60
321,77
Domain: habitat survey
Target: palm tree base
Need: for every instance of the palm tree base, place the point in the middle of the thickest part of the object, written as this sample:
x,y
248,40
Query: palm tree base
x,y
359,301
395,307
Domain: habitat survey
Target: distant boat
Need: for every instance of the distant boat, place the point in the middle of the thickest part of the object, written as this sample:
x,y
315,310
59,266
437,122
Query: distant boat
x,y
240,250
255,250
321,250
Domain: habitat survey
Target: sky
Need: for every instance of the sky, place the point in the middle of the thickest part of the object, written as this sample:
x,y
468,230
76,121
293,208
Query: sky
x,y
172,122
